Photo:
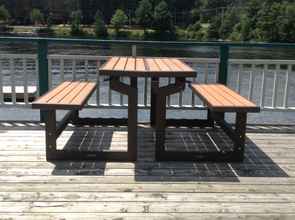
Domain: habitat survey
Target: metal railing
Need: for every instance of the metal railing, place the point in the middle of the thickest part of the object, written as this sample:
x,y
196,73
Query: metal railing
x,y
267,82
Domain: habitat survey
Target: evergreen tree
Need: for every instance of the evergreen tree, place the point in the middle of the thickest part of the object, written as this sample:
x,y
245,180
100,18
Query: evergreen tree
x,y
213,33
144,14
163,18
100,27
249,19
36,16
267,28
119,19
230,19
286,23
76,18
4,14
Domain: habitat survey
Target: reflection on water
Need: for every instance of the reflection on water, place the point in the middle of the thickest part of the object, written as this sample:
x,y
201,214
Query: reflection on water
x,y
163,50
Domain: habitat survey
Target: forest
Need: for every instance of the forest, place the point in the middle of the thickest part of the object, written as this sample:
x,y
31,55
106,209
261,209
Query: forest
x,y
201,20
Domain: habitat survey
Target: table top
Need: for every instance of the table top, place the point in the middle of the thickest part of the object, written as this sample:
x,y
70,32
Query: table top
x,y
146,67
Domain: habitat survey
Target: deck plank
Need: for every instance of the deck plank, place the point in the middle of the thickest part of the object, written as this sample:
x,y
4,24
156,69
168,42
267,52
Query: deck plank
x,y
263,187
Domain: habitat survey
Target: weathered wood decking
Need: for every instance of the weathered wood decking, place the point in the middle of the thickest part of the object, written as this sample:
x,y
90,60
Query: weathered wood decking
x,y
263,187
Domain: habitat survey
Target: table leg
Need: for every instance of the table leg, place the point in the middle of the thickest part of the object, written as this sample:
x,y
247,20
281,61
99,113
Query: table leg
x,y
160,113
132,93
132,120
160,125
154,87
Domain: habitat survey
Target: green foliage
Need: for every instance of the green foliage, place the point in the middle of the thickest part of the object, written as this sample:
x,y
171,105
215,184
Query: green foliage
x,y
71,6
194,27
163,18
100,27
36,16
267,29
230,19
287,23
49,21
144,14
4,13
213,30
118,20
76,18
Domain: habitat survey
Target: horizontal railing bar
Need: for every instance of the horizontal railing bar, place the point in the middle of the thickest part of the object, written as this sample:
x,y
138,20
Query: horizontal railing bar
x,y
78,57
260,61
18,56
146,43
187,59
92,57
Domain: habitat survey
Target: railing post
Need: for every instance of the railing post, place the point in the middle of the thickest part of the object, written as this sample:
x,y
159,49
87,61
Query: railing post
x,y
43,71
134,50
223,65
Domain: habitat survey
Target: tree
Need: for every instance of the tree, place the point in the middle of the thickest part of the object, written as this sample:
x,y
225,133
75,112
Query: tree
x,y
118,20
230,19
4,14
212,33
49,21
100,27
249,19
163,18
286,23
71,6
76,17
36,16
267,26
144,14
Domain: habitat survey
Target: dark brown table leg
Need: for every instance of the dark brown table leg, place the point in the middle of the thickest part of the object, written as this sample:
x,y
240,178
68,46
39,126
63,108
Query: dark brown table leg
x,y
160,113
131,92
160,119
132,119
154,87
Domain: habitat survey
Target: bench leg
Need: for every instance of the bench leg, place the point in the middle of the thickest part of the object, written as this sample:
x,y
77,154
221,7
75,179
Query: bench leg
x,y
75,116
240,129
210,118
50,131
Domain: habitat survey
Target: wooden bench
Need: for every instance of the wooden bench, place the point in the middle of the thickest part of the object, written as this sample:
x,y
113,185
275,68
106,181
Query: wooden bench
x,y
221,99
67,96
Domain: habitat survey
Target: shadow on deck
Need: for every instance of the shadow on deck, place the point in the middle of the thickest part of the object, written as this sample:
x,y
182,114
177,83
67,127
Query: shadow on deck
x,y
256,163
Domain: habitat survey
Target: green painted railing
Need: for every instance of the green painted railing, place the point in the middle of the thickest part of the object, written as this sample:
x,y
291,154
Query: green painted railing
x,y
224,51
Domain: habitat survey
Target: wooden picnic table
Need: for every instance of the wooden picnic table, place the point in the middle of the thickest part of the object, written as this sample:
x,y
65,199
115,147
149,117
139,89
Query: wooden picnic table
x,y
154,68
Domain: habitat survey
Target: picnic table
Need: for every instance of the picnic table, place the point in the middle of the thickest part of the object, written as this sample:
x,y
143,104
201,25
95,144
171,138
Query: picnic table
x,y
154,68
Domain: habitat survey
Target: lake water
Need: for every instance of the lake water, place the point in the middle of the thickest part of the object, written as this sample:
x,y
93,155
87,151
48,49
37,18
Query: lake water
x,y
103,50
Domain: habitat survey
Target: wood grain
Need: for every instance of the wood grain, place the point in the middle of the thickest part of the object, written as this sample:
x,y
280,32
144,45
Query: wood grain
x,y
263,187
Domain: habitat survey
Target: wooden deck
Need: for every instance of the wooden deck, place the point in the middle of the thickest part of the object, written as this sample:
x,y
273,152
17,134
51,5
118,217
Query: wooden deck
x,y
263,187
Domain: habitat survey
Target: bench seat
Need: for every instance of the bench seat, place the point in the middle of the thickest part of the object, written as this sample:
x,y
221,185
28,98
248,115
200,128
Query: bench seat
x,y
68,95
220,98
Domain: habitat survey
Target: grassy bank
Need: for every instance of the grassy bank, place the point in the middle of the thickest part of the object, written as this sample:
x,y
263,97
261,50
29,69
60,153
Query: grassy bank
x,y
132,33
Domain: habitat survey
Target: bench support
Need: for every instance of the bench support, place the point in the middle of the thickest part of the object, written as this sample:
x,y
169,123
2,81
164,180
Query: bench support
x,y
158,117
53,130
237,135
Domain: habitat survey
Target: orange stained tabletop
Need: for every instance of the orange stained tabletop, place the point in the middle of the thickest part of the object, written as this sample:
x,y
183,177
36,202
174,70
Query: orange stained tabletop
x,y
147,67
